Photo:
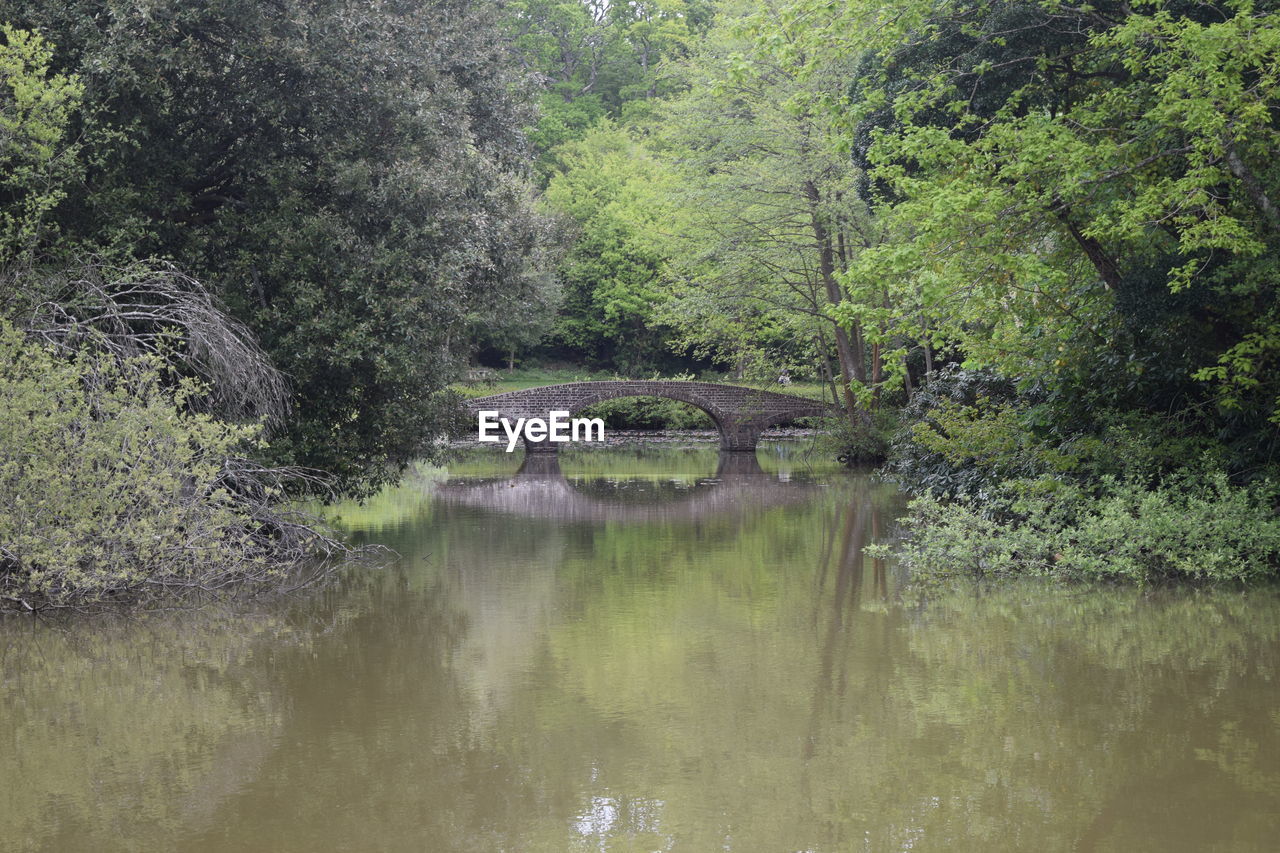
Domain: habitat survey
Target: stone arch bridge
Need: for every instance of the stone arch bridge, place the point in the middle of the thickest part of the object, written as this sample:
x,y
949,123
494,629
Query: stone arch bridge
x,y
740,414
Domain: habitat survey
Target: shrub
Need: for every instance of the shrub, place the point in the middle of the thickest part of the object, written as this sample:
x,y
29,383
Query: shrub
x,y
111,489
968,433
962,434
859,442
1198,528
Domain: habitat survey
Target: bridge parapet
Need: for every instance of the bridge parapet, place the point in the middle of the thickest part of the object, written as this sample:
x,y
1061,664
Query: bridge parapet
x,y
740,414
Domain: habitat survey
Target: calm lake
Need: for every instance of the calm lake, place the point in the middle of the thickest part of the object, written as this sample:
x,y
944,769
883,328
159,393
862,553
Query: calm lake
x,y
647,648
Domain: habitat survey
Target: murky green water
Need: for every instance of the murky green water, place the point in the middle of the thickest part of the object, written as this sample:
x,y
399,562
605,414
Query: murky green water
x,y
635,655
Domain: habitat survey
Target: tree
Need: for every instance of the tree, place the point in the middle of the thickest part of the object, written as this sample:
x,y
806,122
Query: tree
x,y
774,212
512,335
36,159
348,177
610,189
1076,196
599,60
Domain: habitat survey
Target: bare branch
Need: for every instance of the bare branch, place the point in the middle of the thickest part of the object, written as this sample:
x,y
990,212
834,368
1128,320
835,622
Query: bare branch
x,y
153,309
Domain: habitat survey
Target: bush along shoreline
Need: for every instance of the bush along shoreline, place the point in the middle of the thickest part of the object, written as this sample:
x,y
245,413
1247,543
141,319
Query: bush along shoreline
x,y
123,474
1116,503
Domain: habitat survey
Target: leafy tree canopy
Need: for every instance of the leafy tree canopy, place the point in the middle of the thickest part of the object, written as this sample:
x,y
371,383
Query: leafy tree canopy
x,y
348,176
1082,197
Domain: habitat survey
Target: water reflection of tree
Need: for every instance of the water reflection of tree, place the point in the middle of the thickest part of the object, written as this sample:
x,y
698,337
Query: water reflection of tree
x,y
153,719
540,490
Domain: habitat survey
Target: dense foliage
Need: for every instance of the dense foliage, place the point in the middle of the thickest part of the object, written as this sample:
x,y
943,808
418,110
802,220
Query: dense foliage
x,y
1194,529
1075,203
112,489
609,190
346,176
1080,198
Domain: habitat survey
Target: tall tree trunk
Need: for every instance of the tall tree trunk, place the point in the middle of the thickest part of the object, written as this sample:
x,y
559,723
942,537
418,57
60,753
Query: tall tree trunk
x,y
828,375
850,367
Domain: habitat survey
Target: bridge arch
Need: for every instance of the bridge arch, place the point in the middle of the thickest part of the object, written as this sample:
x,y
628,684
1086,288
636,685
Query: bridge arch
x,y
740,414
679,395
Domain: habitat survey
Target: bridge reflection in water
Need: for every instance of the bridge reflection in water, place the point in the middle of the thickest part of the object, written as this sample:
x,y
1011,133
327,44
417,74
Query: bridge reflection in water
x,y
541,490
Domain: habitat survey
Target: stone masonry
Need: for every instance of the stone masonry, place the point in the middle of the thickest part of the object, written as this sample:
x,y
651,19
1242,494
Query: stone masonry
x,y
740,414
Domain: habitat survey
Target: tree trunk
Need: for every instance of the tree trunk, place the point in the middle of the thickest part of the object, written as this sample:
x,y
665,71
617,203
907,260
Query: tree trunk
x,y
850,367
1253,187
828,375
877,373
1102,262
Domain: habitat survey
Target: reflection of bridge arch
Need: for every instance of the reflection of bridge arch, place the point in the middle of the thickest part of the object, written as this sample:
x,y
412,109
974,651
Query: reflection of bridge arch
x,y
740,414
540,490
